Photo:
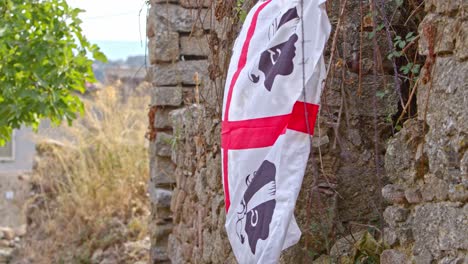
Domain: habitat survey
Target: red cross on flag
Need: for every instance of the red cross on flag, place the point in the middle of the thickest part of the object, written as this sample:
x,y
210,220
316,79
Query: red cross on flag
x,y
271,102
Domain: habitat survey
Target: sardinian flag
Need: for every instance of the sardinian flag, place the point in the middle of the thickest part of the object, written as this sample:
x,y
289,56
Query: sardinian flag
x,y
267,123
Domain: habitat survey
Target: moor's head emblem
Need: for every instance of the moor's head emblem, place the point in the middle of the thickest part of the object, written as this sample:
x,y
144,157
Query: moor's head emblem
x,y
278,59
255,212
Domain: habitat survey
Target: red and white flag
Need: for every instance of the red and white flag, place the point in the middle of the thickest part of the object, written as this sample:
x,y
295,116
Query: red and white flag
x,y
267,122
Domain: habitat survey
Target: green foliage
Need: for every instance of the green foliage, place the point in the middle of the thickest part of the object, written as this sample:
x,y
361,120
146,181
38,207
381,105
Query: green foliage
x,y
400,44
241,13
365,251
371,35
44,62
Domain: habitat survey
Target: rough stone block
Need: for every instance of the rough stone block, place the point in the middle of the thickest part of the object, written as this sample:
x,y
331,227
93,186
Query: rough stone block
x,y
167,96
445,36
180,19
195,46
195,3
190,68
461,47
161,233
162,171
446,6
162,120
390,237
458,193
393,194
423,257
413,196
164,74
454,260
440,227
163,144
434,189
392,256
160,197
159,255
180,72
395,214
164,47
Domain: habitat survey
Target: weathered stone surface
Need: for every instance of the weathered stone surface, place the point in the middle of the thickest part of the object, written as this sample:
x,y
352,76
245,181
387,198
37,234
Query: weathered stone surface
x,y
461,46
164,74
177,18
434,189
459,193
392,256
194,45
445,7
163,144
159,255
195,3
390,237
163,47
395,214
162,233
393,194
454,260
162,171
348,150
181,72
161,197
191,68
162,120
166,96
413,196
400,162
423,257
439,227
444,34
446,118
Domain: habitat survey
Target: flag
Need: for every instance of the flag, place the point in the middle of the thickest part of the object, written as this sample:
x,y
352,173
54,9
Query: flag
x,y
267,123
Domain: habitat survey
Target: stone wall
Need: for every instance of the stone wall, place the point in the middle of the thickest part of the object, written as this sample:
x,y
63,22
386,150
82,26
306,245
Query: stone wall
x,y
427,161
341,191
187,213
186,189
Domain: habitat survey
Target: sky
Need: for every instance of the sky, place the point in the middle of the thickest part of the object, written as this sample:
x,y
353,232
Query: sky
x,y
112,20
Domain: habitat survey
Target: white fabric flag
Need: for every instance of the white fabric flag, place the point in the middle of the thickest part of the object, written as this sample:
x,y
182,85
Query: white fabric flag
x,y
265,132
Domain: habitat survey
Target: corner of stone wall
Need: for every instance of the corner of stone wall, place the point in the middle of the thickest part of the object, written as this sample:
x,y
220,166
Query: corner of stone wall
x,y
427,160
187,203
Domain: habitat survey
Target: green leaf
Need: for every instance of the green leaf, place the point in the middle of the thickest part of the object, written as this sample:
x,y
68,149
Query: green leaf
x,y
98,55
409,35
44,61
402,44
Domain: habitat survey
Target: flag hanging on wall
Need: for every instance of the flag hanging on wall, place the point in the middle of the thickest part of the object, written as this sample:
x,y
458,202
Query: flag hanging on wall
x,y
267,123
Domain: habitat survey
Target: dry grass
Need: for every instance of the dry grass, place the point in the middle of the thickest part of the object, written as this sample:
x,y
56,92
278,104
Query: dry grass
x,y
91,183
